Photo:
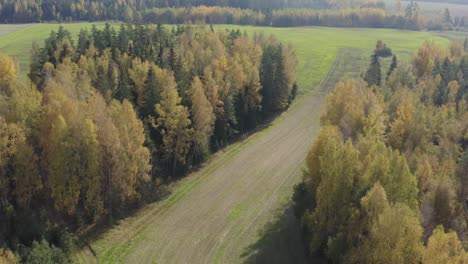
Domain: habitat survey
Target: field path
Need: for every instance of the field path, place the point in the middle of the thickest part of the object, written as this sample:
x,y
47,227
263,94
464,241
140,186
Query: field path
x,y
216,214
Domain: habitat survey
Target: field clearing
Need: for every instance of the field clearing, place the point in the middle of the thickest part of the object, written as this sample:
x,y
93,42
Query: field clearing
x,y
236,207
316,47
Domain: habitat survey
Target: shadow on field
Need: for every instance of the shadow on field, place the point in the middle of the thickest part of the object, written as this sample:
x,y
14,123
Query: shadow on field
x,y
279,242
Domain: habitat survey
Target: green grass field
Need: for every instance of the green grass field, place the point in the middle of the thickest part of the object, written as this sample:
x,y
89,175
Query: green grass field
x,y
315,47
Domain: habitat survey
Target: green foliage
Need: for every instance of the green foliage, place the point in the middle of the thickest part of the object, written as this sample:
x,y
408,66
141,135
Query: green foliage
x,y
373,75
276,89
393,66
44,253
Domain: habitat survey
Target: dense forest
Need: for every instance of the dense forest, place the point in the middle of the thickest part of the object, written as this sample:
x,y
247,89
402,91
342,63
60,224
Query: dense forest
x,y
386,180
18,11
353,13
106,120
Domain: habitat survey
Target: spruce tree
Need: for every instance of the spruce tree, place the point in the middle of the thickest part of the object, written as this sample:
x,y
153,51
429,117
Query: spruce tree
x,y
281,88
152,92
267,80
393,66
373,75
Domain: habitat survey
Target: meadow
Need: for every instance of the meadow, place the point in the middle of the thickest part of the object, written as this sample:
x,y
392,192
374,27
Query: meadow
x,y
315,47
227,212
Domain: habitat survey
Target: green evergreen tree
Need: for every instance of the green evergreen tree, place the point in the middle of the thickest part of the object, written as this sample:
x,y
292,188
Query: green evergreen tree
x,y
152,94
281,89
267,71
84,41
374,75
393,66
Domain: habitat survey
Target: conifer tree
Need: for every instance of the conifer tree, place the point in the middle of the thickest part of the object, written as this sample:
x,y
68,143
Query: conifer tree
x,y
373,75
393,66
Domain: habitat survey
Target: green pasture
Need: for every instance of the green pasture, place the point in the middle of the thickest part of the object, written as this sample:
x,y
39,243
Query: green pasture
x,y
316,47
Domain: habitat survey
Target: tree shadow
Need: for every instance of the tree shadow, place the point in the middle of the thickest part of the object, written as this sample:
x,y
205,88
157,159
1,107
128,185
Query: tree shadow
x,y
280,242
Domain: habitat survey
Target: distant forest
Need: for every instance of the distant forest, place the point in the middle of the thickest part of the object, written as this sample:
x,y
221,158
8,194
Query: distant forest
x,y
26,11
276,13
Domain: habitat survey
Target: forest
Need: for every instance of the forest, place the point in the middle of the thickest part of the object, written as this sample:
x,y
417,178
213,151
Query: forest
x,y
386,179
278,13
13,11
105,122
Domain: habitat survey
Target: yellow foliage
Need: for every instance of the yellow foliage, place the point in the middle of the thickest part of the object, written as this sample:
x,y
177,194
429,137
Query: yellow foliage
x,y
7,68
444,248
7,257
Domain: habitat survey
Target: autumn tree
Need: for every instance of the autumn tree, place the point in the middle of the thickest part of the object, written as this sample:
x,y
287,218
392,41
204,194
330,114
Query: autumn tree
x,y
173,123
335,194
28,181
133,156
202,117
400,127
138,74
372,205
7,68
395,237
444,248
11,136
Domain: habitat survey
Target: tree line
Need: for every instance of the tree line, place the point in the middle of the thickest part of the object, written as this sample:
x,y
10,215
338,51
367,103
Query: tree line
x,y
104,122
26,11
362,13
385,180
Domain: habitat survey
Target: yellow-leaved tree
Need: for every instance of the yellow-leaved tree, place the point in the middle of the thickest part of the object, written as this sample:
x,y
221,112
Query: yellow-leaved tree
x,y
202,117
173,123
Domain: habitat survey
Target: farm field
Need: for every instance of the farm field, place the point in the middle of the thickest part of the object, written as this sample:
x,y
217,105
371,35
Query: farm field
x,y
232,209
